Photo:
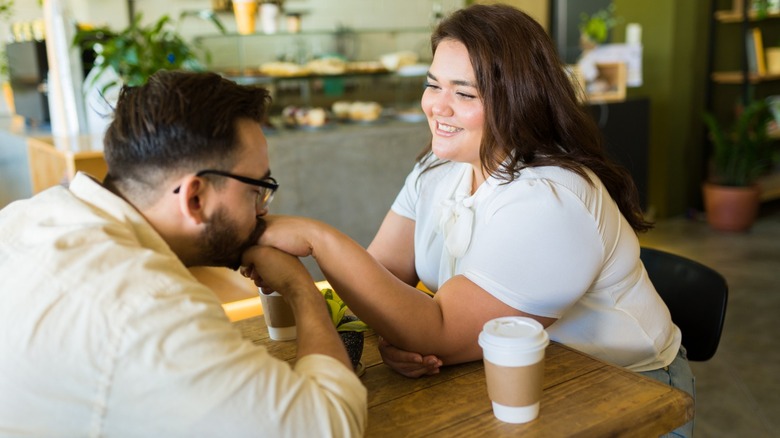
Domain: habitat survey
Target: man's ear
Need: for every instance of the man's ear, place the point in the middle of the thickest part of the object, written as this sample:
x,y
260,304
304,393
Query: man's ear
x,y
192,197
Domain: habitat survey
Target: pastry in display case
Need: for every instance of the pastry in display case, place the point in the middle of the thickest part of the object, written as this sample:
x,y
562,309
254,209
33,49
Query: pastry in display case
x,y
281,69
328,65
305,118
370,50
380,72
357,111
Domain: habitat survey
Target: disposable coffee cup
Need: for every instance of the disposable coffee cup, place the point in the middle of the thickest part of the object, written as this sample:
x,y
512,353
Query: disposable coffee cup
x,y
246,14
513,350
278,317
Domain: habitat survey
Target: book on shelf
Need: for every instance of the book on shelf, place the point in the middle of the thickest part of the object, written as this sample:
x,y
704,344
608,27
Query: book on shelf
x,y
754,48
750,52
758,43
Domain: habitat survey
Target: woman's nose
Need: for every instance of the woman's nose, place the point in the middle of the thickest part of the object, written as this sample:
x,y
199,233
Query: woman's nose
x,y
441,105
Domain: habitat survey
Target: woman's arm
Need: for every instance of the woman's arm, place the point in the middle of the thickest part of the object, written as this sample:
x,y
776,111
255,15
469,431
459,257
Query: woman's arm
x,y
446,326
393,247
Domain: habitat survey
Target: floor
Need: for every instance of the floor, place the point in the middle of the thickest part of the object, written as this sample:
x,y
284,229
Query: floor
x,y
738,390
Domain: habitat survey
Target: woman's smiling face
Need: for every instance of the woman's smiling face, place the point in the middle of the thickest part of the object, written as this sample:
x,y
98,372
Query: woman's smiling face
x,y
453,105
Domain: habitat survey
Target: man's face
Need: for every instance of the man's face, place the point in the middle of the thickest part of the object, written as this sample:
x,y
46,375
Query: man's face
x,y
222,242
236,224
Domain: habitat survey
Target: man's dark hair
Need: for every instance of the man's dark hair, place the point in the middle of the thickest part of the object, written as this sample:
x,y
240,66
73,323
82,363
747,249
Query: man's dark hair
x,y
177,122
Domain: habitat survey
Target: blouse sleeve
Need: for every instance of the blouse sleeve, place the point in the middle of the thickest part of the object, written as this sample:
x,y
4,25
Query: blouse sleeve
x,y
538,250
405,203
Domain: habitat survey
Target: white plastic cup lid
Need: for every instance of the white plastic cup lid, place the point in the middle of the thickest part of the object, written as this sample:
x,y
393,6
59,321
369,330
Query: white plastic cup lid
x,y
513,332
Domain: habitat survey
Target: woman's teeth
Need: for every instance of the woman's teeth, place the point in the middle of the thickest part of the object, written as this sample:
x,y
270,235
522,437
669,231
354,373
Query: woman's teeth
x,y
447,128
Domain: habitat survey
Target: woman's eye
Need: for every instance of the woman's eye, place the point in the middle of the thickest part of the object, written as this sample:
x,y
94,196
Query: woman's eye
x,y
430,85
465,95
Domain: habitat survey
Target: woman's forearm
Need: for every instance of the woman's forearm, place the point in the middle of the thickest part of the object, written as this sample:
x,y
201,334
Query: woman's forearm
x,y
396,310
446,326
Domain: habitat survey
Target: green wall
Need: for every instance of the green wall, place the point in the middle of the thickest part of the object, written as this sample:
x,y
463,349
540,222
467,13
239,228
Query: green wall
x,y
674,38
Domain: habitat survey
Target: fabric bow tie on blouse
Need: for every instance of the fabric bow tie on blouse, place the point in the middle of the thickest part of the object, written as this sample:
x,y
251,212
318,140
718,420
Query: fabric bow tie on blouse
x,y
456,222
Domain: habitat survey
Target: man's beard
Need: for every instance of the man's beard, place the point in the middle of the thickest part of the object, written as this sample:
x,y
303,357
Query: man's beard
x,y
220,243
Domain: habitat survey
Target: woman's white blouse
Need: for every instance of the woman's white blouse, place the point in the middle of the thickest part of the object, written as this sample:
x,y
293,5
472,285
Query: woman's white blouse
x,y
549,244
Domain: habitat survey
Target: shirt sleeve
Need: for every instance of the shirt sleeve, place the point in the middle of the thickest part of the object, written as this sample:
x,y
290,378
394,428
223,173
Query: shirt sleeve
x,y
405,203
538,250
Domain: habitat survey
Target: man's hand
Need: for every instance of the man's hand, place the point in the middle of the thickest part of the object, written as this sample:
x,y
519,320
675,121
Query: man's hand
x,y
407,363
278,271
275,270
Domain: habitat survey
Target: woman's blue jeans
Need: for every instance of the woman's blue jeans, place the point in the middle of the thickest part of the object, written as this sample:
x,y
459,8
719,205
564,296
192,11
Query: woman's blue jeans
x,y
678,375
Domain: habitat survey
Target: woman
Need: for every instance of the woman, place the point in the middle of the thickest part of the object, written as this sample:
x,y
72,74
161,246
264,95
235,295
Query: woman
x,y
513,209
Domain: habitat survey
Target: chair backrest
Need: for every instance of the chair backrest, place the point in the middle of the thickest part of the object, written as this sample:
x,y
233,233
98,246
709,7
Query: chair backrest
x,y
696,296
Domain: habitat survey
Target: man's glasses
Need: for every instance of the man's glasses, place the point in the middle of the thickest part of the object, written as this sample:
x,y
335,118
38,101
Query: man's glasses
x,y
267,186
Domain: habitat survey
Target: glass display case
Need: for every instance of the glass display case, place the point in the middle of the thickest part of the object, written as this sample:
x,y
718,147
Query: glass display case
x,y
319,68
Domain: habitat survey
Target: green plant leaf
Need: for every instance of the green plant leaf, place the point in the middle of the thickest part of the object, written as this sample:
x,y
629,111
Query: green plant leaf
x,y
744,152
352,326
139,51
337,310
596,27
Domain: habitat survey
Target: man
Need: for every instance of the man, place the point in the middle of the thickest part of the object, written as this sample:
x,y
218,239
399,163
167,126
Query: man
x,y
103,330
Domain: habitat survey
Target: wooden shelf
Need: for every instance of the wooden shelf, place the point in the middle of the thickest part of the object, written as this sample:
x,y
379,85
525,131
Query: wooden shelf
x,y
730,16
737,77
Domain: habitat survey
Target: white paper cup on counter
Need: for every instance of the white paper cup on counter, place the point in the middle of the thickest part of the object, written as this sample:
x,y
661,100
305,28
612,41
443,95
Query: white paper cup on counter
x,y
513,348
279,317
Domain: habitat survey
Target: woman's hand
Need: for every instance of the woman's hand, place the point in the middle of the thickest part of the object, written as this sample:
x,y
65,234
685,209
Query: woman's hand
x,y
406,363
291,234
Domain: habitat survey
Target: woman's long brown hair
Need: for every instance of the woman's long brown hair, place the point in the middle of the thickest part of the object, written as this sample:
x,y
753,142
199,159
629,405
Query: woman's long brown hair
x,y
532,114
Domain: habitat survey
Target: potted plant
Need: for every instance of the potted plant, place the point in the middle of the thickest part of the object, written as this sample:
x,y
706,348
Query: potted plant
x,y
138,51
350,328
595,28
129,57
740,155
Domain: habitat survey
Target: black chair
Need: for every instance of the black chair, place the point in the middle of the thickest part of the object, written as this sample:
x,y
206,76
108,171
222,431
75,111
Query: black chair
x,y
696,296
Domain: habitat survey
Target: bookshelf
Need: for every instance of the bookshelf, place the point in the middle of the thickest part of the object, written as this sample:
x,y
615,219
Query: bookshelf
x,y
754,69
748,74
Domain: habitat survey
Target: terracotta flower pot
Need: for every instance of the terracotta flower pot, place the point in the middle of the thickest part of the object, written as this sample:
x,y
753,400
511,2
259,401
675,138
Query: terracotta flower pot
x,y
731,208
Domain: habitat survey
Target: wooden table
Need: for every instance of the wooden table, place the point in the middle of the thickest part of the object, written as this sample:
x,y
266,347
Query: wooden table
x,y
582,396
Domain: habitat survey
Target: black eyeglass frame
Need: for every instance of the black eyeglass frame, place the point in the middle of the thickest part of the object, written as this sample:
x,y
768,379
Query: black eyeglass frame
x,y
267,182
